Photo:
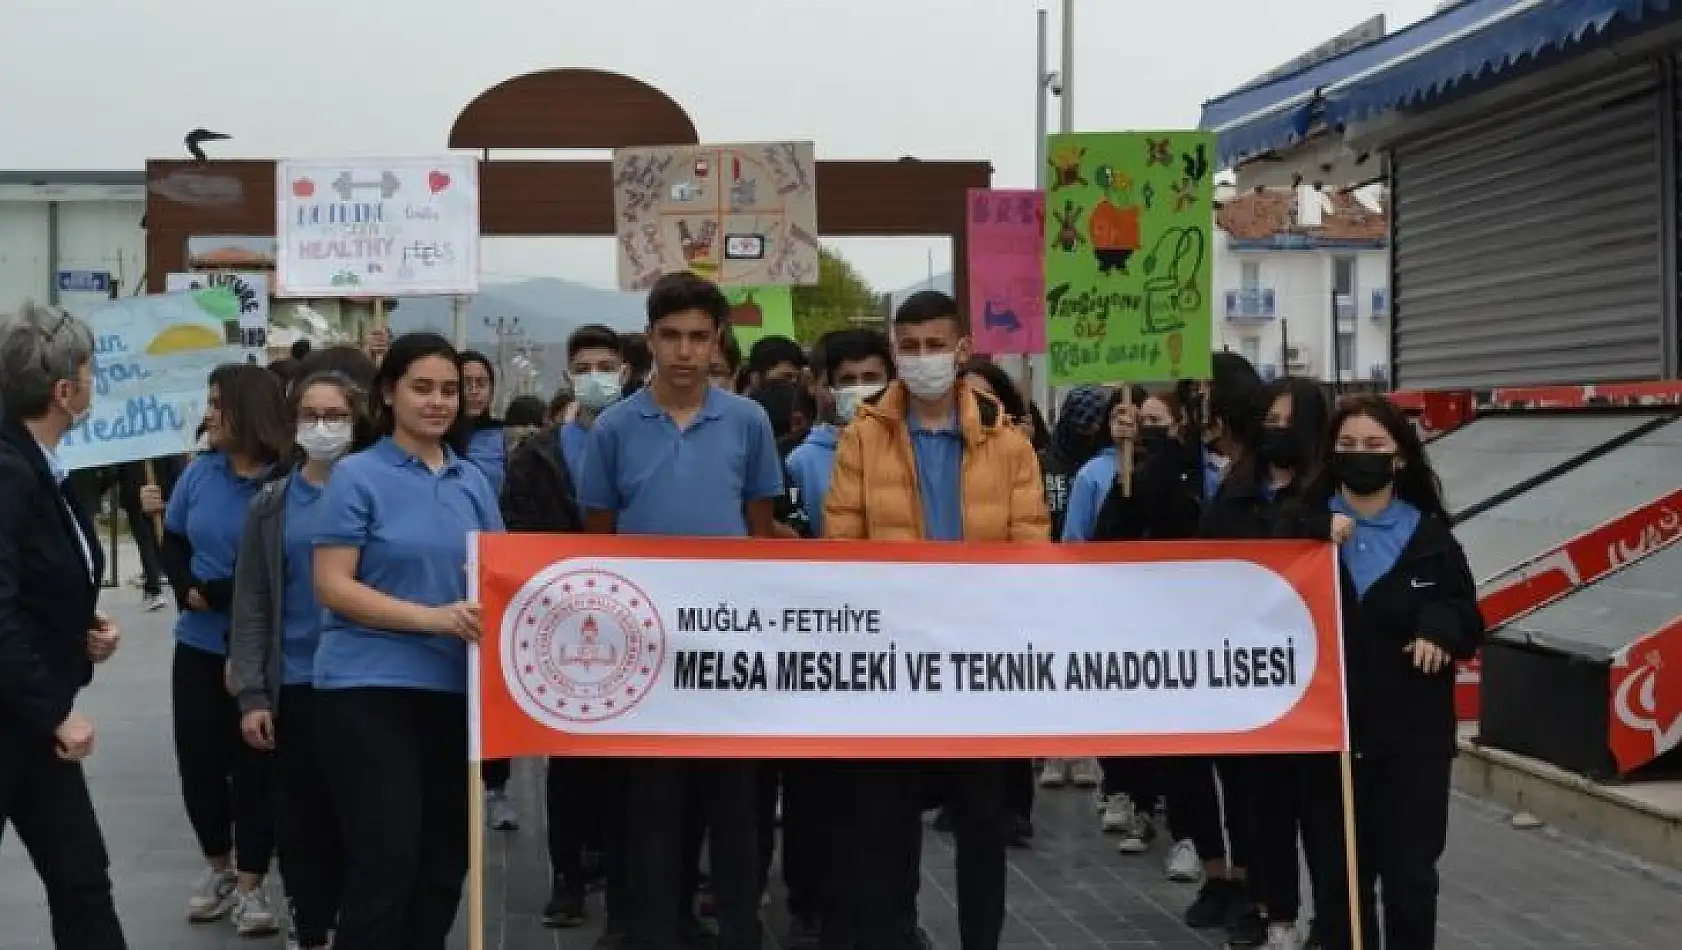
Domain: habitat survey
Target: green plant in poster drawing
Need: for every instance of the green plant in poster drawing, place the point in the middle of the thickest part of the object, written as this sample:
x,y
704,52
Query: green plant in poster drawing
x,y
1128,256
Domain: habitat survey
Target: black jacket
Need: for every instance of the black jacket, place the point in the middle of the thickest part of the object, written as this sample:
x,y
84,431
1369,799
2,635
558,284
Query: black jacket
x,y
1167,502
1394,709
538,494
1240,510
1058,468
47,596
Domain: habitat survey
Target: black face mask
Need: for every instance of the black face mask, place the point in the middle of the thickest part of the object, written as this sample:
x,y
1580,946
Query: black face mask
x,y
1364,473
1154,439
1278,447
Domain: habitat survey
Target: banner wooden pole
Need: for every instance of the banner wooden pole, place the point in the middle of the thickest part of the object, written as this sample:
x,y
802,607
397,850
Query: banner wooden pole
x,y
476,857
1357,940
157,516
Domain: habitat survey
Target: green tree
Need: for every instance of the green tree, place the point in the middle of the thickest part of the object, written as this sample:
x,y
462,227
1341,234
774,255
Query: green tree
x,y
839,296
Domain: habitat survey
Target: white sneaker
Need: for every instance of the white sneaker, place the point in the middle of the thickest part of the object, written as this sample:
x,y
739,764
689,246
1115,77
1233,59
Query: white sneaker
x,y
1283,937
1138,834
155,603
1103,802
1054,774
1085,773
503,816
1183,864
252,916
1118,814
213,895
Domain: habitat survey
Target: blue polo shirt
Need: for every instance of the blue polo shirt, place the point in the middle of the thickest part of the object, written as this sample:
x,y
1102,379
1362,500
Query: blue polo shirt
x,y
301,615
693,482
410,525
487,449
575,439
810,467
208,507
1086,497
939,455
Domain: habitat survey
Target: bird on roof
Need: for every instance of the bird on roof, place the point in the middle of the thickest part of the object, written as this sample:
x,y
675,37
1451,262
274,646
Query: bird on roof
x,y
196,139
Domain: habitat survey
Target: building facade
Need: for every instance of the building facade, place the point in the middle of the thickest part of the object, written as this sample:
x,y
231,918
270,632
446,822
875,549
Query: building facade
x,y
1308,301
71,237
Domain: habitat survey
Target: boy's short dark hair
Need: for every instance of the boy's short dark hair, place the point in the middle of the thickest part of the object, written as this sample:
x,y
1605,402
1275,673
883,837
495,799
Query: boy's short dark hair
x,y
850,346
731,349
682,290
592,336
633,349
818,356
770,351
926,306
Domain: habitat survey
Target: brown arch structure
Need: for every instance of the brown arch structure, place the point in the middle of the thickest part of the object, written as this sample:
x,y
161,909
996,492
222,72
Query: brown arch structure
x,y
565,109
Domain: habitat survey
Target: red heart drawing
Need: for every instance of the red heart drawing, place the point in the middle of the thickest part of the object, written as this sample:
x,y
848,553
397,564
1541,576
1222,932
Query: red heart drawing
x,y
303,188
437,181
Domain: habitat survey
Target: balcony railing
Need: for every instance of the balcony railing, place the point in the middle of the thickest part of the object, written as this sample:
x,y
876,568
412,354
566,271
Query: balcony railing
x,y
1379,372
1251,303
1345,304
1380,303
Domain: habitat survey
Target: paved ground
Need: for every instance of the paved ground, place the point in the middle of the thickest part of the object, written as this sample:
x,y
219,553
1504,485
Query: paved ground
x,y
1503,889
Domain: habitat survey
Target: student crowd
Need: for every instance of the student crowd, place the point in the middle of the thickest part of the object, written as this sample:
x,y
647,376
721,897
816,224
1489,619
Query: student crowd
x,y
316,547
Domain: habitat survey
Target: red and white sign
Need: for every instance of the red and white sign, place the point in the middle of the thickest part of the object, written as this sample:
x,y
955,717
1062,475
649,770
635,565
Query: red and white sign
x,y
645,647
1646,719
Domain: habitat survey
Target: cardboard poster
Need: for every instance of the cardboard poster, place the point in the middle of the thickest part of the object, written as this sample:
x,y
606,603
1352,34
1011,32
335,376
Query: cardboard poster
x,y
738,215
377,227
758,312
1129,254
1005,243
251,289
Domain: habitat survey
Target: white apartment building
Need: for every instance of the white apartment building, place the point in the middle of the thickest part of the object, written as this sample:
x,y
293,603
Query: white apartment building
x,y
1278,285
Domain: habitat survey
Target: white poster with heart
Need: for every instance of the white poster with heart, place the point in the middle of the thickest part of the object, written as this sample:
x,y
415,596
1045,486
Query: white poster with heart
x,y
406,227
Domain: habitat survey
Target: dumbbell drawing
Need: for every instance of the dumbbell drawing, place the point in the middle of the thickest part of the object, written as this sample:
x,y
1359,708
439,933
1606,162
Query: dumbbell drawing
x,y
347,187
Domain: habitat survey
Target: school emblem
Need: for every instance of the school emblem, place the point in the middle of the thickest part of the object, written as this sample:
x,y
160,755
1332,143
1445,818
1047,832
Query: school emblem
x,y
580,646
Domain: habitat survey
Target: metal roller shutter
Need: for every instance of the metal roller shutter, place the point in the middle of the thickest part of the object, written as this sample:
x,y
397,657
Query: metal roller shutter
x,y
1528,244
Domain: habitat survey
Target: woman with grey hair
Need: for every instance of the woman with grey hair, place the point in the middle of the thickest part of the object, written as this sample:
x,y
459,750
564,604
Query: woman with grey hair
x,y
51,632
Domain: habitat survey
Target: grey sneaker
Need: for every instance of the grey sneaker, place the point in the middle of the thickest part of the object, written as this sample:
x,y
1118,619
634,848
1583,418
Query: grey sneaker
x,y
252,914
213,895
500,811
155,603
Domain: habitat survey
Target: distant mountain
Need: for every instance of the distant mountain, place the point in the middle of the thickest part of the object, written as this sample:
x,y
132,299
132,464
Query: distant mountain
x,y
548,309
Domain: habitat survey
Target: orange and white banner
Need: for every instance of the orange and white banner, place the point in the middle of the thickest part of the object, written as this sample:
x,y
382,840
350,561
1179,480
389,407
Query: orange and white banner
x,y
618,646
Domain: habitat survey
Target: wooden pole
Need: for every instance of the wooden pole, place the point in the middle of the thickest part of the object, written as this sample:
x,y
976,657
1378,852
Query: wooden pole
x,y
476,857
1352,869
157,516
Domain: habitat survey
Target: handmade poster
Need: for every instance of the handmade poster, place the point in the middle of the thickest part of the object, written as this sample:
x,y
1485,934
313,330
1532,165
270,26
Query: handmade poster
x,y
1128,256
757,312
739,215
152,359
251,289
623,646
1005,241
377,228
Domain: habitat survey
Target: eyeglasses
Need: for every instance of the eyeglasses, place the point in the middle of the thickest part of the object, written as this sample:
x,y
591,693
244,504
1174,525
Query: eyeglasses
x,y
316,418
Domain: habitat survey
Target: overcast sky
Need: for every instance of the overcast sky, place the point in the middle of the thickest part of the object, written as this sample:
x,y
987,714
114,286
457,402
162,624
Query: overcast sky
x,y
106,84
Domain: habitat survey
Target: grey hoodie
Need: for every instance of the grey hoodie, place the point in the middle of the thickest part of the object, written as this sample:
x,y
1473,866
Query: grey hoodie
x,y
259,604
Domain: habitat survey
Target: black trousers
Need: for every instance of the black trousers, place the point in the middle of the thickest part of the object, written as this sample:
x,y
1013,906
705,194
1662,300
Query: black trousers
x,y
227,786
1298,795
884,836
1019,793
131,477
1199,811
585,801
727,792
808,794
47,801
495,773
396,761
1139,778
1401,829
307,826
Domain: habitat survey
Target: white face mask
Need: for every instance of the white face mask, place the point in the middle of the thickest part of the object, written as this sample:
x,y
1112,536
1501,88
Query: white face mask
x,y
929,377
849,398
596,390
324,441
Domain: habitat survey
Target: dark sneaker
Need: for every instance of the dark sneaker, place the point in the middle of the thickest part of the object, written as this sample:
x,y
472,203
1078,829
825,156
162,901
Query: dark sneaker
x,y
1246,928
1021,832
804,933
943,820
565,907
1213,906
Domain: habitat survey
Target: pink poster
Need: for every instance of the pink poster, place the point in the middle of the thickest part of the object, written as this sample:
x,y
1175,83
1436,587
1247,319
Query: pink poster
x,y
1006,236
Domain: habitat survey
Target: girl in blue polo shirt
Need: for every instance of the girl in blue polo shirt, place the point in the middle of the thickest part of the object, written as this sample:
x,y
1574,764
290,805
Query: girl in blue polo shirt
x,y
391,670
276,628
224,783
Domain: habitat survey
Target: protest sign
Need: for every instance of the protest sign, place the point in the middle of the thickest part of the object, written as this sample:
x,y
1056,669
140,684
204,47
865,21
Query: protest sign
x,y
151,364
738,215
1005,232
377,227
1129,254
665,647
251,289
757,312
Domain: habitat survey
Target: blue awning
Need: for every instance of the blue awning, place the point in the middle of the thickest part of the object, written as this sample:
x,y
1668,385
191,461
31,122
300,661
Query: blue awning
x,y
1476,38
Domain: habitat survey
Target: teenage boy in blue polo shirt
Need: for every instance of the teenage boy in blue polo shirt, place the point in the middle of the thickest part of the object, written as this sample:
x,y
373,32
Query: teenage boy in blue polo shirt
x,y
682,457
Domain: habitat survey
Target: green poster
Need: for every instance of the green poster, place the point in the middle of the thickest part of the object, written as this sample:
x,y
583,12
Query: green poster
x,y
759,312
1129,218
